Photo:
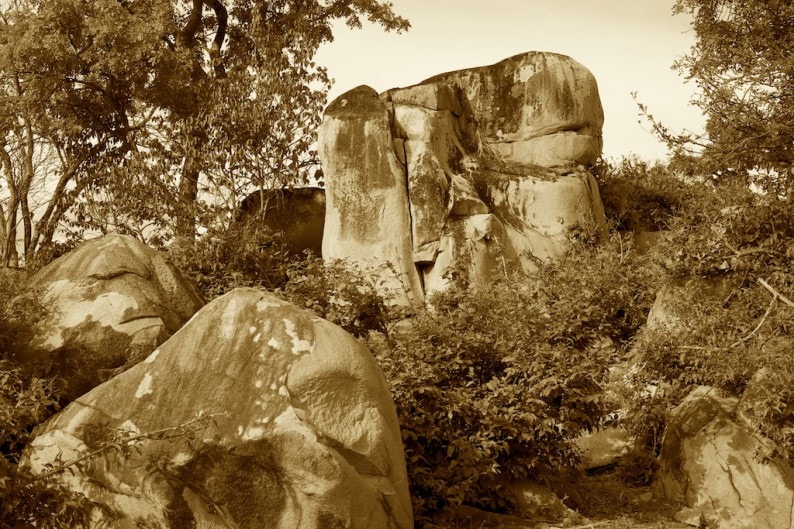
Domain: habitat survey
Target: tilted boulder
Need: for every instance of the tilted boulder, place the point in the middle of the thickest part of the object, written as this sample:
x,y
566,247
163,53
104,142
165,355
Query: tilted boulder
x,y
106,304
709,466
295,217
476,171
299,429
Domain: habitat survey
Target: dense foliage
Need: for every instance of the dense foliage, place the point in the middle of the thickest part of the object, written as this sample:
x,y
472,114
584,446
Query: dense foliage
x,y
742,64
640,196
249,255
492,386
234,256
339,293
26,401
729,261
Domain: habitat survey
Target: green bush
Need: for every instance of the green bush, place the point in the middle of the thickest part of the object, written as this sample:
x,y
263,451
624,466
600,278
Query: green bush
x,y
338,292
638,195
637,467
242,255
736,316
495,384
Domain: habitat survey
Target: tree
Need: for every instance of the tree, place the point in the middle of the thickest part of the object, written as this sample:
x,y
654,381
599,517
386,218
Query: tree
x,y
157,112
743,64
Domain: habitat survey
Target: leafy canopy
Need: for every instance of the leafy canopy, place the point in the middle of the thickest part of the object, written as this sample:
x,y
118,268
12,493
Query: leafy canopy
x,y
166,110
743,65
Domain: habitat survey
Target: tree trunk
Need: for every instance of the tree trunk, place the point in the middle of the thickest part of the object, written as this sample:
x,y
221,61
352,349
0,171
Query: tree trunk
x,y
186,208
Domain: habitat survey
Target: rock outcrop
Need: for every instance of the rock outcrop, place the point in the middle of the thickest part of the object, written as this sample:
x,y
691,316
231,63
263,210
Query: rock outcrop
x,y
709,466
476,171
292,425
295,217
603,447
535,109
676,305
107,304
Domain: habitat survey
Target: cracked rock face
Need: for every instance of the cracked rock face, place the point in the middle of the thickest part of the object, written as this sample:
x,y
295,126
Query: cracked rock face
x,y
536,108
476,171
299,428
107,304
709,467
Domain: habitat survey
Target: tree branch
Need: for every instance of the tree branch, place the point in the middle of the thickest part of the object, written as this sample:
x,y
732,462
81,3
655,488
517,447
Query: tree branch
x,y
193,23
162,434
775,293
760,323
217,43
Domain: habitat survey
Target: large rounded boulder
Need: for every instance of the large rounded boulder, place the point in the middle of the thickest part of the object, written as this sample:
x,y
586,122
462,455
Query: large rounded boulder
x,y
105,305
711,467
255,414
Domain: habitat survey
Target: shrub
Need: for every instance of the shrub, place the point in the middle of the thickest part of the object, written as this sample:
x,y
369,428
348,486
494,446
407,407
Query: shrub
x,y
737,245
338,292
241,255
637,467
638,195
494,385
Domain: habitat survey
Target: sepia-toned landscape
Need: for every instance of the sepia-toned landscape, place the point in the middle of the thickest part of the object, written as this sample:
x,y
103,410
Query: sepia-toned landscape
x,y
228,301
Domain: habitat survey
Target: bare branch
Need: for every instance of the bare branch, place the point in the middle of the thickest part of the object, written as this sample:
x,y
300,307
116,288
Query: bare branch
x,y
760,323
775,293
162,434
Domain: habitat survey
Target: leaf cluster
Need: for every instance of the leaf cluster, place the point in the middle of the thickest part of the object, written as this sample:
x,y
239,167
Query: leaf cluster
x,y
494,385
641,196
741,63
729,261
156,115
240,255
340,293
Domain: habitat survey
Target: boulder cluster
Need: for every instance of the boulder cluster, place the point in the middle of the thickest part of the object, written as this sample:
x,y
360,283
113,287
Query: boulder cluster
x,y
254,413
249,412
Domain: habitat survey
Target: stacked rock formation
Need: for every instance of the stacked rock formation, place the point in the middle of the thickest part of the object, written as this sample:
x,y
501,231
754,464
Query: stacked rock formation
x,y
473,170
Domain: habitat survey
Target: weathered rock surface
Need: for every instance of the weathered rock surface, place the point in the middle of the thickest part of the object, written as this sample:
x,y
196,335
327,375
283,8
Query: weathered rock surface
x,y
106,304
542,210
537,502
296,217
677,303
475,171
367,218
603,447
305,433
536,108
709,466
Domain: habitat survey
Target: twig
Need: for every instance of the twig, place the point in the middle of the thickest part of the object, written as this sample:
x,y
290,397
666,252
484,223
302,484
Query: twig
x,y
159,435
760,323
775,293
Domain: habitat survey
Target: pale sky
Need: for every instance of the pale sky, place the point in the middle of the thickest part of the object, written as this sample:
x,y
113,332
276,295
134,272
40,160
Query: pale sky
x,y
629,45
